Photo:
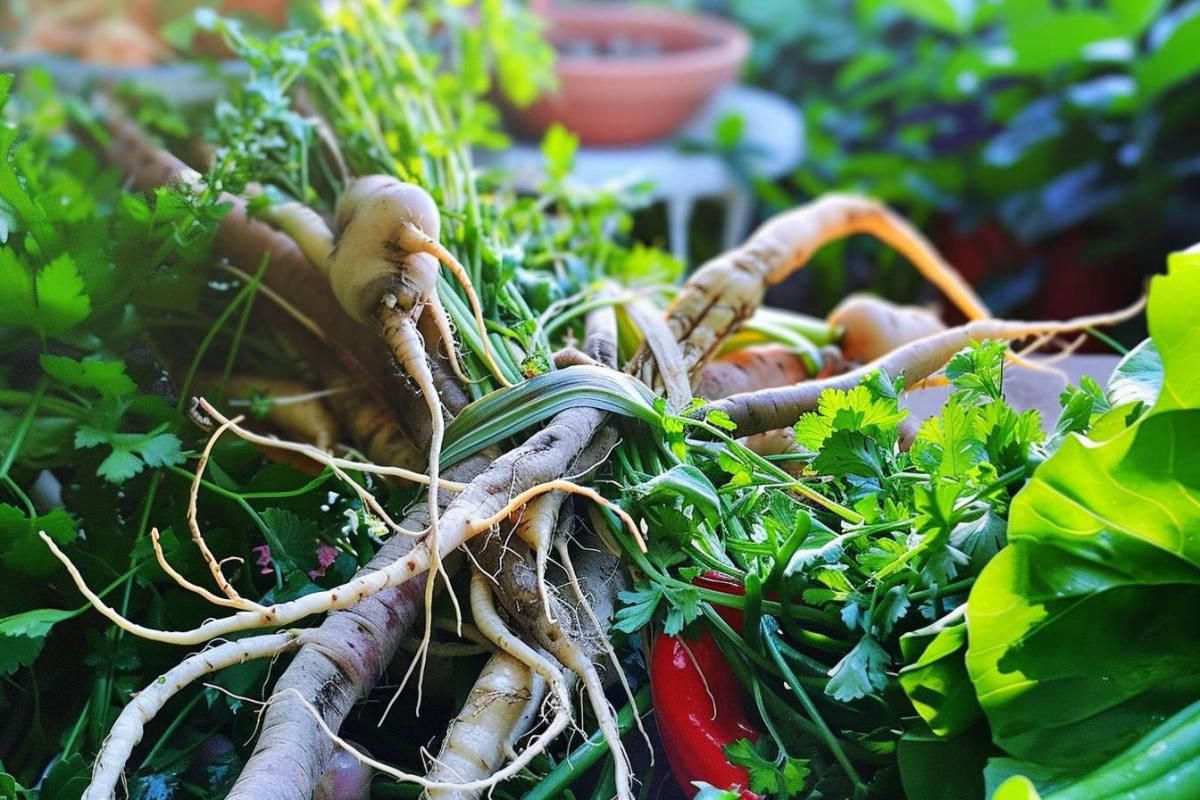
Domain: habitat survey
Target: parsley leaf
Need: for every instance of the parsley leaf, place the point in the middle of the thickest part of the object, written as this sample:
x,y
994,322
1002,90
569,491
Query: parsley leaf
x,y
51,302
106,377
860,672
947,445
766,777
870,408
683,607
977,371
131,452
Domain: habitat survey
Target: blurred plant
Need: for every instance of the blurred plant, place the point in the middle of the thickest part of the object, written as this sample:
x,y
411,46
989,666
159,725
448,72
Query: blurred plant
x,y
1039,116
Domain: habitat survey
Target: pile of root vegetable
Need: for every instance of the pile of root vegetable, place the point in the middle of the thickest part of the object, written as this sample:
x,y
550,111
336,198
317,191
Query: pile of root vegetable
x,y
312,411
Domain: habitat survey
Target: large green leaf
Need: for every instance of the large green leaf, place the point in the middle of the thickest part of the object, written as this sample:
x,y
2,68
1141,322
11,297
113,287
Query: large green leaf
x,y
1082,631
936,679
1138,377
1177,60
934,768
1174,300
506,412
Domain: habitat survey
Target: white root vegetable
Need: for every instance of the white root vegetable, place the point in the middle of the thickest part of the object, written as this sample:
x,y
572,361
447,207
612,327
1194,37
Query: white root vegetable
x,y
536,528
381,224
131,723
493,627
873,327
755,412
727,290
460,522
400,332
660,341
500,708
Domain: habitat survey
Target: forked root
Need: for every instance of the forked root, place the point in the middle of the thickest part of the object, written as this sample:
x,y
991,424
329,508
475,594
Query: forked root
x,y
727,290
184,583
464,527
484,610
400,332
414,240
131,723
214,567
536,528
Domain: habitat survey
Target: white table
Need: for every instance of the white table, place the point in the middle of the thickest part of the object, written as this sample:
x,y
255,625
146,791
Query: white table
x,y
773,138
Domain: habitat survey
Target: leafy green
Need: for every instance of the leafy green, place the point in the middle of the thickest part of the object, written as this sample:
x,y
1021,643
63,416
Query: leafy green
x,y
23,635
1065,665
131,452
936,679
106,377
767,777
861,672
683,607
50,301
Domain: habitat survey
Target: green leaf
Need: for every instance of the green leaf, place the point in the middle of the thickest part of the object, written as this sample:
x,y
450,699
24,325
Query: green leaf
x,y
638,611
21,549
22,636
66,780
1162,764
558,149
1137,378
861,672
977,371
506,412
936,768
682,481
1017,787
106,377
1082,632
936,679
1047,41
1102,539
851,453
1172,321
1177,60
51,303
864,408
1136,15
131,452
947,445
684,608
766,777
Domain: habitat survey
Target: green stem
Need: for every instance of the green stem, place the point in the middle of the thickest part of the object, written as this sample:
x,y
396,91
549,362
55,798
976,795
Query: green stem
x,y
793,682
241,329
214,329
847,514
54,405
22,430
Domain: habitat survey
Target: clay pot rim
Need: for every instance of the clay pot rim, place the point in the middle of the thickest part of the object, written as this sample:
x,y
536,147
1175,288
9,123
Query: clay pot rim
x,y
730,44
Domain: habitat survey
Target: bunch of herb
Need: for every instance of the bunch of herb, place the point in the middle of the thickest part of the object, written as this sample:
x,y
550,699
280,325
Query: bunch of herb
x,y
846,552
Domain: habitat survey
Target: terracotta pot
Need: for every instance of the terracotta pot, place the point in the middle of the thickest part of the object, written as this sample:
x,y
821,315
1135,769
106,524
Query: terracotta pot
x,y
613,98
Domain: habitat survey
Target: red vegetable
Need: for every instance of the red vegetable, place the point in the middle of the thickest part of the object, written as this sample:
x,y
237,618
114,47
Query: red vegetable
x,y
698,723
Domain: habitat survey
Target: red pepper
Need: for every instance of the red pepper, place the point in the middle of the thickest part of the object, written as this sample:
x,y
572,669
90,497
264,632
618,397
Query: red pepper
x,y
694,732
